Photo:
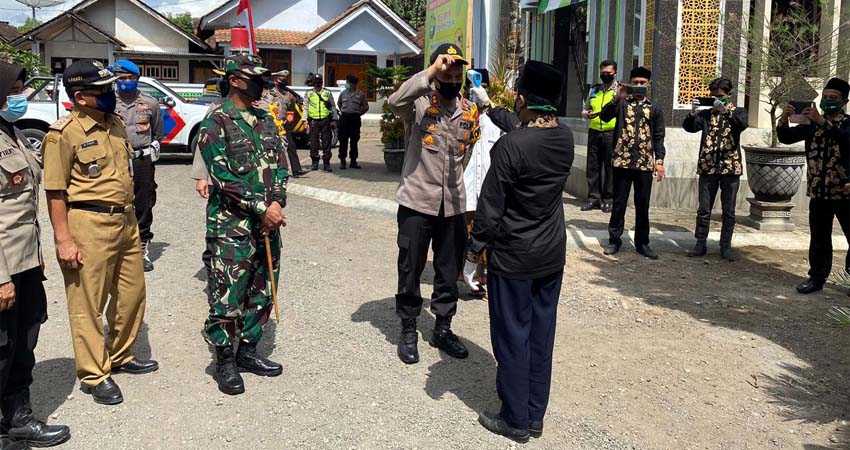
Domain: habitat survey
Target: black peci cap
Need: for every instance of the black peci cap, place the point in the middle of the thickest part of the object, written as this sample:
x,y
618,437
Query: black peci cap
x,y
839,85
541,84
85,73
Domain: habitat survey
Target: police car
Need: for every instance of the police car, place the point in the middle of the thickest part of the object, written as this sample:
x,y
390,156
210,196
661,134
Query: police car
x,y
180,119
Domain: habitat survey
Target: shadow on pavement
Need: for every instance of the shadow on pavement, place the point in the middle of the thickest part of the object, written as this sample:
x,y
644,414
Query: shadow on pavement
x,y
471,380
756,295
156,249
142,346
53,381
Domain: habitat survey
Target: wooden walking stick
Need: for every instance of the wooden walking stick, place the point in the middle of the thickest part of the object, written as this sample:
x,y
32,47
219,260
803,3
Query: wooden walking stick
x,y
271,278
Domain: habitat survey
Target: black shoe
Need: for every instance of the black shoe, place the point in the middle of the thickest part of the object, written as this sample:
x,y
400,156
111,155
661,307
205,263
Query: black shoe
x,y
647,251
226,373
408,350
38,434
809,286
146,259
299,174
105,393
607,207
354,165
249,360
8,444
497,425
445,340
137,367
727,253
342,165
535,428
611,249
699,249
315,165
327,167
591,205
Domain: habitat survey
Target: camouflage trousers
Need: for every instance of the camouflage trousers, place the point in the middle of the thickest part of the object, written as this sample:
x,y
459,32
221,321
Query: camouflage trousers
x,y
238,288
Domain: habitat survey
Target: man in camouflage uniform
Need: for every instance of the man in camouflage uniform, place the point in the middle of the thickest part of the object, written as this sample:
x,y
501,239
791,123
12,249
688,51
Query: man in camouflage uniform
x,y
246,161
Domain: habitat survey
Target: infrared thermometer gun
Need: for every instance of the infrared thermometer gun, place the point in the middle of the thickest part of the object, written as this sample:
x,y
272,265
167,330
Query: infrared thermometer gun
x,y
474,77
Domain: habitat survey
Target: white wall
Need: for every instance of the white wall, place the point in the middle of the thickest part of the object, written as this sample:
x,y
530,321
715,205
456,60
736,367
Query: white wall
x,y
303,62
102,15
68,49
363,34
141,31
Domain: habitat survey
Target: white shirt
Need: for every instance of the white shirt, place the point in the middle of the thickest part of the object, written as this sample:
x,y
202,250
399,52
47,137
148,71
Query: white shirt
x,y
479,162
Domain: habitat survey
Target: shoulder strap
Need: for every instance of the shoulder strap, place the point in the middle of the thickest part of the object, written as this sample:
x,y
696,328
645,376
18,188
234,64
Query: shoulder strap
x,y
60,124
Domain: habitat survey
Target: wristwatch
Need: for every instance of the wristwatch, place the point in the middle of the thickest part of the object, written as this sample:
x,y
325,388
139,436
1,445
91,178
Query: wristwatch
x,y
659,162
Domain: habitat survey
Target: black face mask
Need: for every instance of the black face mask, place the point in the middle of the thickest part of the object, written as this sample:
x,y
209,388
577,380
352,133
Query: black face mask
x,y
254,89
280,84
607,77
449,90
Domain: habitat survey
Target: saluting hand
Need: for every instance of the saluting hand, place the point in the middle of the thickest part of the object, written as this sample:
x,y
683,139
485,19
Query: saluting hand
x,y
442,64
7,296
68,255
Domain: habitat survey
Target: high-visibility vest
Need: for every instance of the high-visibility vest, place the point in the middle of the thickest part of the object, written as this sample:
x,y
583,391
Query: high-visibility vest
x,y
317,104
598,99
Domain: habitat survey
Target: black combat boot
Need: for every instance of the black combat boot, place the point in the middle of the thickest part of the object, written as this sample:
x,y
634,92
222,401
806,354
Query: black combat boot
x,y
342,164
327,167
146,259
248,360
226,372
445,340
23,427
315,165
408,352
354,164
700,249
8,444
727,253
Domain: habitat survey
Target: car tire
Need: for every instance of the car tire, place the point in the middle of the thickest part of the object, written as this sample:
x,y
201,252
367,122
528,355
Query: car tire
x,y
35,137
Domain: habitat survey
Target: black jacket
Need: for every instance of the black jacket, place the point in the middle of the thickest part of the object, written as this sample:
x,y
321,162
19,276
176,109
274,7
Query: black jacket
x,y
720,149
827,154
520,216
644,154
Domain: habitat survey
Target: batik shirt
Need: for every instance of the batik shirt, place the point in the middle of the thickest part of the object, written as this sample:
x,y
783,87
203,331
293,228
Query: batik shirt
x,y
720,148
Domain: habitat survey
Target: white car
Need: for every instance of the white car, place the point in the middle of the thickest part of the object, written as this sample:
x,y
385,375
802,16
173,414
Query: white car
x,y
180,118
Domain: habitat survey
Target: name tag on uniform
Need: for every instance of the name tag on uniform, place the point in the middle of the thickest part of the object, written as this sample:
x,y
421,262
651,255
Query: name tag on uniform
x,y
7,153
273,166
88,144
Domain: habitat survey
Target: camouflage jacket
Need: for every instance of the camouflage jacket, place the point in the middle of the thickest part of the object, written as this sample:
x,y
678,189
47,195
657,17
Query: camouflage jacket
x,y
827,153
246,162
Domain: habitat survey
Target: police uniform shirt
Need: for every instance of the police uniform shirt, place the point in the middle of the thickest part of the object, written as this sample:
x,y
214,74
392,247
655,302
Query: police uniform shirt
x,y
438,138
19,180
142,118
352,101
89,162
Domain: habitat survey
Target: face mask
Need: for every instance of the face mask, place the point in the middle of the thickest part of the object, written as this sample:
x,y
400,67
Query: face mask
x,y
449,90
638,90
127,87
280,84
607,77
724,100
829,105
254,89
348,86
16,107
106,102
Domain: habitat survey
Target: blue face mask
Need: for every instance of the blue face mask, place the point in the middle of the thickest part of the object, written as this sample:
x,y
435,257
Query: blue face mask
x,y
127,87
16,107
106,102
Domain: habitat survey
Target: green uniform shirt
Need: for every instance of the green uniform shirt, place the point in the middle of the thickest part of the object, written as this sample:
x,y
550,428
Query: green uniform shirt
x,y
245,158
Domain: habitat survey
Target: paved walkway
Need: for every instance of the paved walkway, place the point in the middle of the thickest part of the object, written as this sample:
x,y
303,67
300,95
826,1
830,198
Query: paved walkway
x,y
372,189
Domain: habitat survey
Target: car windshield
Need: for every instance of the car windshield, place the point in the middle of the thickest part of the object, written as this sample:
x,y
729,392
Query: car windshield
x,y
39,89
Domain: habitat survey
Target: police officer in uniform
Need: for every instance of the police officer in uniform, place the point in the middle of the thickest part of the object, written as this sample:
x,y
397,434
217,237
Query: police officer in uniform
x,y
827,141
321,119
246,160
23,303
88,177
352,105
600,140
431,196
143,120
286,99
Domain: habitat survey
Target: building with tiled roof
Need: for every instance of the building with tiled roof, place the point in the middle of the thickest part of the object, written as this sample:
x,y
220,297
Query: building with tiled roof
x,y
8,32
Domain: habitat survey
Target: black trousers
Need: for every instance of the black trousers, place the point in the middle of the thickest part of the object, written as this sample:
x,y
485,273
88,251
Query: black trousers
x,y
600,183
708,186
292,153
821,216
447,238
144,188
349,129
523,314
623,181
320,138
19,328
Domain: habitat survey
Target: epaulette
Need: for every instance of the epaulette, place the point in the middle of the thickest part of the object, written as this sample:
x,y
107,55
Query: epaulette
x,y
60,124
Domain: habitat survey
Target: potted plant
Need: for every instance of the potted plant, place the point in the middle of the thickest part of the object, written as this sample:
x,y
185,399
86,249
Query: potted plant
x,y
385,81
784,62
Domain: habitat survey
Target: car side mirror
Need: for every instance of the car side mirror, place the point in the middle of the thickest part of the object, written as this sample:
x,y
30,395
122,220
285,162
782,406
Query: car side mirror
x,y
170,103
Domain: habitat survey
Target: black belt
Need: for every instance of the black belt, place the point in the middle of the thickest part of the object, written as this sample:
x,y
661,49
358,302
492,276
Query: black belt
x,y
355,114
97,208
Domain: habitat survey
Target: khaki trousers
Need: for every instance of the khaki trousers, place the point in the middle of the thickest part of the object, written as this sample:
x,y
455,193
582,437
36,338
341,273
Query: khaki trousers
x,y
112,279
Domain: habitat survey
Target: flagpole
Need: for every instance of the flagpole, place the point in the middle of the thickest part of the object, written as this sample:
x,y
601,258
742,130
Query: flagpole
x,y
251,29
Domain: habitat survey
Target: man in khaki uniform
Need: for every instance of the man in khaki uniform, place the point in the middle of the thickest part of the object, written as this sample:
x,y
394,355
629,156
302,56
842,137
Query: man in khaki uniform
x,y
287,99
443,126
89,183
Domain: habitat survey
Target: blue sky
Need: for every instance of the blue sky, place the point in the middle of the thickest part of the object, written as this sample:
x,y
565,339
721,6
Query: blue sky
x,y
16,13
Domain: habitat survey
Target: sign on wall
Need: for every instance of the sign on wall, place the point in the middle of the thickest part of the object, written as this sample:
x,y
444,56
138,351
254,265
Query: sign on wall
x,y
448,21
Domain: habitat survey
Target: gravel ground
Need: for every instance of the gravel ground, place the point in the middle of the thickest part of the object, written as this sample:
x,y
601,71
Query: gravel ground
x,y
671,354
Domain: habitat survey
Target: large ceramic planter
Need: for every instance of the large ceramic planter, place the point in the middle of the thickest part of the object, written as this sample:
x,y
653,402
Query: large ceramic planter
x,y
774,176
394,159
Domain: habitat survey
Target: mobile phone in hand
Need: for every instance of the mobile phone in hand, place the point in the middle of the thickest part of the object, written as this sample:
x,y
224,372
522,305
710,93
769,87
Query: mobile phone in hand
x,y
799,107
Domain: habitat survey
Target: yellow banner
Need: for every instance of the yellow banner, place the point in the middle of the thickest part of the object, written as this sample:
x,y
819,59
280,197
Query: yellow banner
x,y
448,21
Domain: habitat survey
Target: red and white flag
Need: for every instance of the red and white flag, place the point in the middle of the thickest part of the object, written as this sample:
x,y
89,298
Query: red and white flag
x,y
245,5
